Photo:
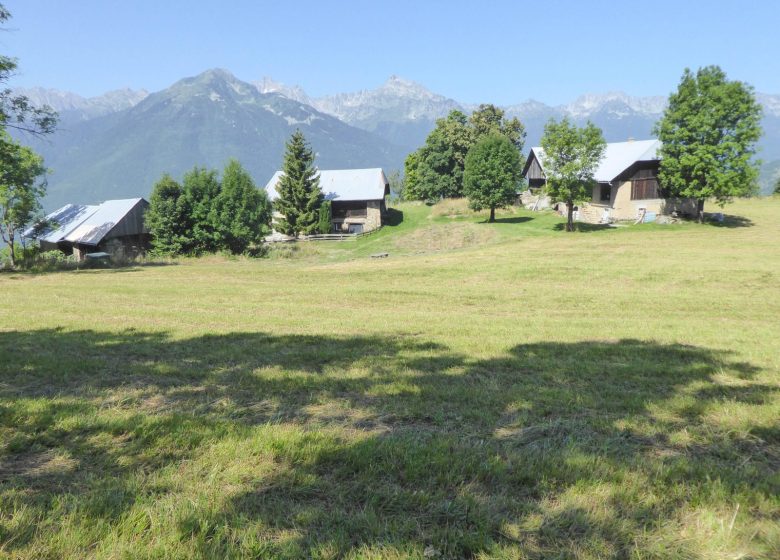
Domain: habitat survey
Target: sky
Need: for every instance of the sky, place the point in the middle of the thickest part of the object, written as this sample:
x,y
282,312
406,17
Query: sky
x,y
477,51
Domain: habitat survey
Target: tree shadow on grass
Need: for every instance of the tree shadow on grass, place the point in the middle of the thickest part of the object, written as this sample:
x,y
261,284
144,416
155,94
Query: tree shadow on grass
x,y
393,217
729,221
512,220
380,444
583,227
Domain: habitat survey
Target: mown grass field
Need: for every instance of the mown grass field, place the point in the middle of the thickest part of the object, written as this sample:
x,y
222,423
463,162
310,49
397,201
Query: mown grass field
x,y
488,390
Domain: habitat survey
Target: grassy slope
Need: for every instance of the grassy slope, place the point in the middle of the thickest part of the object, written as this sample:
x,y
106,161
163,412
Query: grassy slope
x,y
500,390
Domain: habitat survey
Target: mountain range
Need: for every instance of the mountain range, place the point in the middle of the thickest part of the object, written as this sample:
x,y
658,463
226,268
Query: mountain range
x,y
118,144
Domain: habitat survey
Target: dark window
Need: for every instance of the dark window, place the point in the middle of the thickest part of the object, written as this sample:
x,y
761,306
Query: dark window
x,y
606,193
645,185
355,209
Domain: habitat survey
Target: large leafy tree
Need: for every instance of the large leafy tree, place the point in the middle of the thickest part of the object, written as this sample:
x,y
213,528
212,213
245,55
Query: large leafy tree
x,y
300,196
709,132
570,158
200,189
16,111
168,222
441,160
489,119
493,173
21,189
436,170
243,212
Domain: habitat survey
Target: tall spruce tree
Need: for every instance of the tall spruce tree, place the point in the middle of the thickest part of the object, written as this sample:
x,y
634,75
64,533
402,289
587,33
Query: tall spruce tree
x,y
300,196
709,132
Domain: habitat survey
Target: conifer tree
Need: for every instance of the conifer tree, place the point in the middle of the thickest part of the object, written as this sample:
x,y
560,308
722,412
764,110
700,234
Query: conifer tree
x,y
300,196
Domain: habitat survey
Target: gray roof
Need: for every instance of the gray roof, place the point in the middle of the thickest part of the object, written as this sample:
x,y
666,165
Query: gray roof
x,y
618,157
86,225
65,220
344,184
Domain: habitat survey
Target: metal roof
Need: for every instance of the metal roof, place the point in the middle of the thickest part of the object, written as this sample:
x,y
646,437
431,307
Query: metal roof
x,y
65,220
92,230
618,157
343,184
79,223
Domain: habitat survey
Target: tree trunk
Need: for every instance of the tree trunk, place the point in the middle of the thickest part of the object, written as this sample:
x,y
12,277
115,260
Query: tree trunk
x,y
11,248
570,217
700,210
492,215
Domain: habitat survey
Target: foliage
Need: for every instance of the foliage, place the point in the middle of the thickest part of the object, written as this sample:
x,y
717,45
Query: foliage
x,y
324,217
300,196
168,223
242,211
206,215
493,173
16,111
777,186
709,132
489,119
397,185
20,189
200,189
436,170
571,156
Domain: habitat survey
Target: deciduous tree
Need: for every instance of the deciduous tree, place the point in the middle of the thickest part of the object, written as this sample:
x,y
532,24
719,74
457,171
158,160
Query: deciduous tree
x,y
16,111
493,173
168,223
300,196
243,212
570,158
21,189
709,132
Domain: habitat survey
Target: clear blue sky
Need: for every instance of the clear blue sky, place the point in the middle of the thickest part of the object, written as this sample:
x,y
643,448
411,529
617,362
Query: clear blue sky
x,y
500,52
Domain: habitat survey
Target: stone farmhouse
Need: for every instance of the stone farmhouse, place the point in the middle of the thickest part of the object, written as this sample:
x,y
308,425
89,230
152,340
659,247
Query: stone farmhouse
x,y
357,197
626,187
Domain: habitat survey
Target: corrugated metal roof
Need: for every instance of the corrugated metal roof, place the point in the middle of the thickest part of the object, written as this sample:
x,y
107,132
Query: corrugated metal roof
x,y
66,219
618,157
92,230
343,184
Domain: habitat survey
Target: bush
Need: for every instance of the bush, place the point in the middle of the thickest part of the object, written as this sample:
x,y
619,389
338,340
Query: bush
x,y
325,217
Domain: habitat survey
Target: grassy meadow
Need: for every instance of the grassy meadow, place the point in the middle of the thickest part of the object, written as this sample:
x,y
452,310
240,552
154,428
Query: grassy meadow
x,y
500,390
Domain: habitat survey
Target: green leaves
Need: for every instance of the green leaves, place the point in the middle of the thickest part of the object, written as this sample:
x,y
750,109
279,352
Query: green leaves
x,y
436,170
300,197
20,188
206,214
493,173
571,156
709,131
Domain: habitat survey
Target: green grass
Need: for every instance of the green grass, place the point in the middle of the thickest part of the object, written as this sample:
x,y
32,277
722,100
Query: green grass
x,y
488,390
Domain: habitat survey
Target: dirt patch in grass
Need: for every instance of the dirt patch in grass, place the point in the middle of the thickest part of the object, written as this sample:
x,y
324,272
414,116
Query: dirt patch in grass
x,y
445,237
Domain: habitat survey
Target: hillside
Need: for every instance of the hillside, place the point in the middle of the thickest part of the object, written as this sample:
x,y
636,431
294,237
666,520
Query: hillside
x,y
203,120
487,391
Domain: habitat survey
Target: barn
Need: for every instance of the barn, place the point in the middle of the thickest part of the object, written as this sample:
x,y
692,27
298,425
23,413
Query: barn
x,y
357,197
114,226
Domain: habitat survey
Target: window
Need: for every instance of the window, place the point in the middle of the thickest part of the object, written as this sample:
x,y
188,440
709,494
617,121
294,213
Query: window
x,y
355,209
606,193
645,185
